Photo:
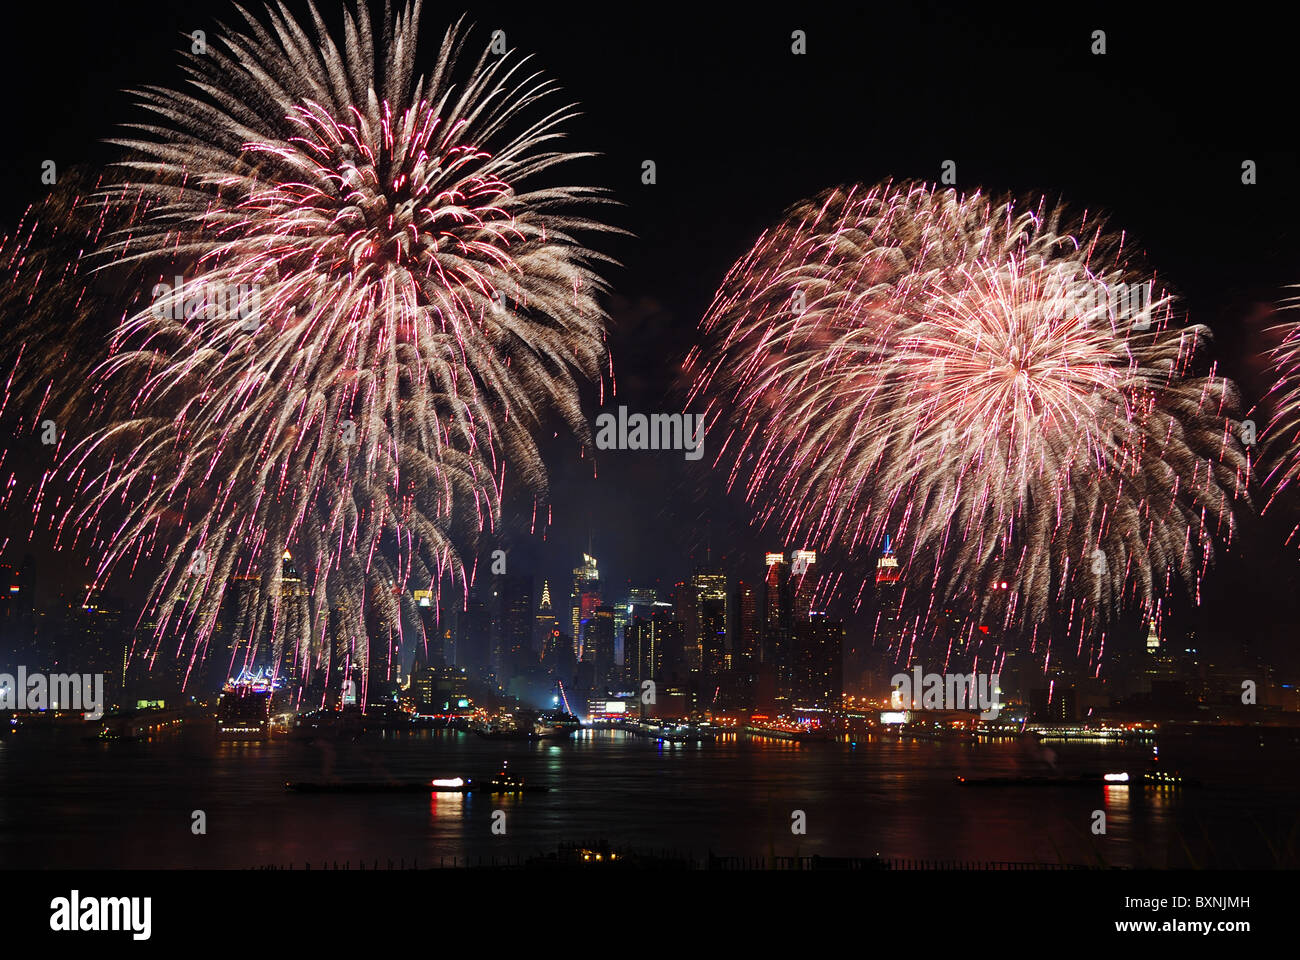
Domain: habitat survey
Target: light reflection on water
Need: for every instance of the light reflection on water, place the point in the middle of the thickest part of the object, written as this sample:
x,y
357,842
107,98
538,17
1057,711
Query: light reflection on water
x,y
67,803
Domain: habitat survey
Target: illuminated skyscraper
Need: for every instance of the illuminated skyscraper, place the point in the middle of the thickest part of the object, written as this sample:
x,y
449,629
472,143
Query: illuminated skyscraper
x,y
710,586
774,672
802,581
545,622
654,637
746,638
1153,638
640,602
291,630
776,601
889,598
584,598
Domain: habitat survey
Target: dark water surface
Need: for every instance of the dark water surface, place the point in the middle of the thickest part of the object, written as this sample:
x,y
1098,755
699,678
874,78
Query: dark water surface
x,y
66,803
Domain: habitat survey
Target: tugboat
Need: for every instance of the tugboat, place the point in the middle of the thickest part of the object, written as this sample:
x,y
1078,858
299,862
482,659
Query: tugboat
x,y
505,782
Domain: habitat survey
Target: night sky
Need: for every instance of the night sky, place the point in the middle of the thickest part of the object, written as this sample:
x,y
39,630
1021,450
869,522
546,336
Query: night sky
x,y
1153,133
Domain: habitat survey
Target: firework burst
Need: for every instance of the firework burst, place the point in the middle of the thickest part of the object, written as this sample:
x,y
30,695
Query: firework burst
x,y
1280,467
1006,393
377,307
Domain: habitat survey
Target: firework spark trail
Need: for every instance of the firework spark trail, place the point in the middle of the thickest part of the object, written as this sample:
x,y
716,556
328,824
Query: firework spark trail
x,y
420,307
905,360
1280,454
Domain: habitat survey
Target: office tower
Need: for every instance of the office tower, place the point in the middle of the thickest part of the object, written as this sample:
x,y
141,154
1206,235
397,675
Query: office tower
x,y
645,652
544,622
774,674
291,626
747,637
600,640
818,663
802,582
642,604
1153,638
383,647
710,586
654,638
686,607
439,689
92,636
436,627
870,653
513,623
584,598
622,617
889,596
743,658
474,638
713,638
776,603
17,615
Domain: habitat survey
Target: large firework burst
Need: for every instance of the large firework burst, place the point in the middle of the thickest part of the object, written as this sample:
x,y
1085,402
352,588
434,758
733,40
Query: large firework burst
x,y
377,307
963,373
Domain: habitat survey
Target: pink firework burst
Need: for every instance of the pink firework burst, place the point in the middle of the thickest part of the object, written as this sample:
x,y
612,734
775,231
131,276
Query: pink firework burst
x,y
1007,393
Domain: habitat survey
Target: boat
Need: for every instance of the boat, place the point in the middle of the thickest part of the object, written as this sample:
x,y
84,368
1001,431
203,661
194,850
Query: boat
x,y
503,782
524,725
1151,779
555,725
244,711
502,725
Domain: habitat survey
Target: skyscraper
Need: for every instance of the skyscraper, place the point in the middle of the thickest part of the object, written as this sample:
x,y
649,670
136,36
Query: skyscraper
x,y
802,582
778,636
710,585
640,602
291,631
474,637
513,622
545,622
818,663
584,598
17,614
654,637
600,638
888,595
776,605
743,657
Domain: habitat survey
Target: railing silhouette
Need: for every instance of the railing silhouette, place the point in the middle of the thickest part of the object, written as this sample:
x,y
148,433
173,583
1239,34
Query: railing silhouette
x,y
679,861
